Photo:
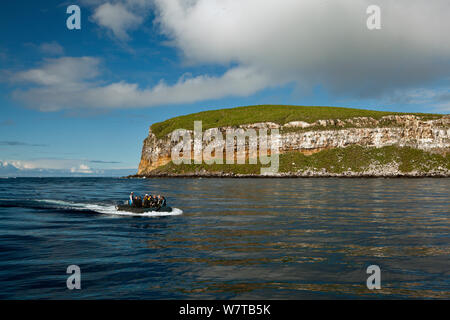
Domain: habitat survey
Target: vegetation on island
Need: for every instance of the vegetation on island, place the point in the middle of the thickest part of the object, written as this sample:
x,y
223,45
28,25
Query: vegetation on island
x,y
279,114
354,158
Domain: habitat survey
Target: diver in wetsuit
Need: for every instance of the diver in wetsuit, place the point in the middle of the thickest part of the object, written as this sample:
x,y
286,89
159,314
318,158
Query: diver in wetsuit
x,y
160,202
136,202
146,201
152,201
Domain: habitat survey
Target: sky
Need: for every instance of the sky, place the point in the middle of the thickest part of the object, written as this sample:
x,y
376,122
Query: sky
x,y
80,101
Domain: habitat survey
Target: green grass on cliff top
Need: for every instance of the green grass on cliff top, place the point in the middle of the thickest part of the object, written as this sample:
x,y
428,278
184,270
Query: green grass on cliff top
x,y
354,158
265,113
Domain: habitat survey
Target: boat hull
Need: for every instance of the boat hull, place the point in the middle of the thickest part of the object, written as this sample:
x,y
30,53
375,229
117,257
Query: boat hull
x,y
128,208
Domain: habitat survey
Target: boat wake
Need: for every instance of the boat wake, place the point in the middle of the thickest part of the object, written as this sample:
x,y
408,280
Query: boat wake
x,y
67,206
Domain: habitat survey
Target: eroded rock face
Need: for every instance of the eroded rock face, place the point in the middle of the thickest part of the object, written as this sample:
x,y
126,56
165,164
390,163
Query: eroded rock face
x,y
401,130
297,124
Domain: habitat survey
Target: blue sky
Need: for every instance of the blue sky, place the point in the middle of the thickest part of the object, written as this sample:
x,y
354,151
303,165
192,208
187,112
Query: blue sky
x,y
82,100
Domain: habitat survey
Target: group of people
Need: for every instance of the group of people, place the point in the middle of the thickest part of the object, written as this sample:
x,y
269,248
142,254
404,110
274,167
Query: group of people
x,y
148,201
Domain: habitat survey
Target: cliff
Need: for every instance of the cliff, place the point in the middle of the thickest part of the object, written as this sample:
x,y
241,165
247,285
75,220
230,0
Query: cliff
x,y
376,144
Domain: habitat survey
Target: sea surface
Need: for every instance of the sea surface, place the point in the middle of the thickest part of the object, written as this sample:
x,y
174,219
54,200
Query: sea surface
x,y
228,238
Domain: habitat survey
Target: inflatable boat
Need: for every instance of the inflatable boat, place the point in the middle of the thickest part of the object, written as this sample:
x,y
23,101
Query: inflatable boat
x,y
127,207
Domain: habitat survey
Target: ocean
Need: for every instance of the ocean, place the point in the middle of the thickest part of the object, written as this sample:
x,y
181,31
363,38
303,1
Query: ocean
x,y
228,238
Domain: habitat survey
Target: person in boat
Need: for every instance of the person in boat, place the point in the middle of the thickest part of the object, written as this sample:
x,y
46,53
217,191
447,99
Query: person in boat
x,y
146,201
163,202
153,201
137,202
130,201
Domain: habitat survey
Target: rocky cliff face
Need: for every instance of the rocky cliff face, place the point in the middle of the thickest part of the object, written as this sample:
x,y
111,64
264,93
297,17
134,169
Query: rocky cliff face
x,y
404,131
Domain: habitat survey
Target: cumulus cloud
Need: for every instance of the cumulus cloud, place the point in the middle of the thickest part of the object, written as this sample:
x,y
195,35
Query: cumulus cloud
x,y
44,163
66,71
56,168
316,42
236,81
117,18
82,168
73,165
70,82
269,43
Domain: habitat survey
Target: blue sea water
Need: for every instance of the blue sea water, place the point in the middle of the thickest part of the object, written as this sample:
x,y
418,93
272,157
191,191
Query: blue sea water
x,y
230,238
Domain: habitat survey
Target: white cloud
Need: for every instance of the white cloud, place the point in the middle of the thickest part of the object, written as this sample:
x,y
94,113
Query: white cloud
x,y
117,18
66,71
236,81
70,83
269,43
51,48
316,41
436,99
56,167
82,168
44,163
72,165
20,165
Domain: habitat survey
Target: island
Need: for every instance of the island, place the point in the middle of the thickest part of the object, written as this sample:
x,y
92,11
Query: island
x,y
312,142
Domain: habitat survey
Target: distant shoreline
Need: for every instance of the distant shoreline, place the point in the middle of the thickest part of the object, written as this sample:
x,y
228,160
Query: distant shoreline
x,y
277,176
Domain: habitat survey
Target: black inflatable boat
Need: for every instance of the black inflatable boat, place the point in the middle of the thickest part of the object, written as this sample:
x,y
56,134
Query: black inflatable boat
x,y
127,207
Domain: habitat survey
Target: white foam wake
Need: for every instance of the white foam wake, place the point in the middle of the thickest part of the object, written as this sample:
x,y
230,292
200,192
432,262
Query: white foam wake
x,y
110,209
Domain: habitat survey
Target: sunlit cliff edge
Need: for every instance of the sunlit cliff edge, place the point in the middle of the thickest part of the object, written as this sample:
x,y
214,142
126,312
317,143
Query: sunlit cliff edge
x,y
315,142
